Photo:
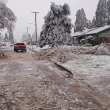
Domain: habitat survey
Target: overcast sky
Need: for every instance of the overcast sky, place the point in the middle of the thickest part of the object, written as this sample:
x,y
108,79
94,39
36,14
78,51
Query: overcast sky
x,y
23,8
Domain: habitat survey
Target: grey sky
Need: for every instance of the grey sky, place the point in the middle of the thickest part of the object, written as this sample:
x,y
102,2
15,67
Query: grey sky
x,y
23,9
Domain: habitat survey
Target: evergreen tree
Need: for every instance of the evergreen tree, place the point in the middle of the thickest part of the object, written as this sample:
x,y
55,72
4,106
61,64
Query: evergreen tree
x,y
57,27
10,36
108,12
6,39
34,37
94,22
101,13
81,21
78,24
89,26
29,36
0,37
24,38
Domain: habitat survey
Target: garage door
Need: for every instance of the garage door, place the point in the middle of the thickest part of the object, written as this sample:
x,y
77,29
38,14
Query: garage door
x,y
103,39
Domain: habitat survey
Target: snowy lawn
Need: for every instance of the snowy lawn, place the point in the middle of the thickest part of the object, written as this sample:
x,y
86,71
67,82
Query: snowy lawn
x,y
86,61
92,69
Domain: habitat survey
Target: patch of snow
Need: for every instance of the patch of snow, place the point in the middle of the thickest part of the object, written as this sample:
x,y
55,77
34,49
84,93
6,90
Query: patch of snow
x,y
51,68
38,49
29,69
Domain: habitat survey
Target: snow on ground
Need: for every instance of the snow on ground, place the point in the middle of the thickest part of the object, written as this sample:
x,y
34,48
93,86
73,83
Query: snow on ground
x,y
86,62
94,69
38,49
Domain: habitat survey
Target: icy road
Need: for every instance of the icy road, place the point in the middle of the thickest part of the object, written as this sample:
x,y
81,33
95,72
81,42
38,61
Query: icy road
x,y
28,84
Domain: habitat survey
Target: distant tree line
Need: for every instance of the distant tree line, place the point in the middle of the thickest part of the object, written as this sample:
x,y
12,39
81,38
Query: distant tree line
x,y
101,18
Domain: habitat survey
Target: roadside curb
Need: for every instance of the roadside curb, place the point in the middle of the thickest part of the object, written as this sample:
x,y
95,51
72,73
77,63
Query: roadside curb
x,y
32,50
61,66
56,63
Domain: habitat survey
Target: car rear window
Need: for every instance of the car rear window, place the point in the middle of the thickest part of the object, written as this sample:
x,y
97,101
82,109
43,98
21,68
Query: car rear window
x,y
20,43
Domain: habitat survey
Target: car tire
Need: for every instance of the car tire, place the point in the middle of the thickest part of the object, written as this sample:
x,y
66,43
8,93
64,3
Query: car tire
x,y
25,50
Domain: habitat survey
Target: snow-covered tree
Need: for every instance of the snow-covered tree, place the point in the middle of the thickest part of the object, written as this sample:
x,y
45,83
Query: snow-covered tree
x,y
101,13
94,22
89,25
7,17
90,39
78,24
34,36
108,12
24,38
0,37
6,39
81,21
3,1
57,27
11,37
29,37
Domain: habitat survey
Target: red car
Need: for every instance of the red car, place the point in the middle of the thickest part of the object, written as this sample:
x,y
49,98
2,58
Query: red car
x,y
20,46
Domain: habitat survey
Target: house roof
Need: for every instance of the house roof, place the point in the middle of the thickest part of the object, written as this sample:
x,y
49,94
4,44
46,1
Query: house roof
x,y
97,30
91,31
81,32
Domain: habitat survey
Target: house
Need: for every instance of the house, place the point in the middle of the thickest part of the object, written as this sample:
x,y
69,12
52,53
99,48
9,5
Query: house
x,y
101,34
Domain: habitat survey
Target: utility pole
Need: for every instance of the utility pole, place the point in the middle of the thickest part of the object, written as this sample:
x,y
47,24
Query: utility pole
x,y
35,25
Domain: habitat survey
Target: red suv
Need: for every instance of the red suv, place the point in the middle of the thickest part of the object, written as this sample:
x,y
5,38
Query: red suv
x,y
20,46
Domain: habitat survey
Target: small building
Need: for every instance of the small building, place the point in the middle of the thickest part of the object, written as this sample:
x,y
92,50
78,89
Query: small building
x,y
101,34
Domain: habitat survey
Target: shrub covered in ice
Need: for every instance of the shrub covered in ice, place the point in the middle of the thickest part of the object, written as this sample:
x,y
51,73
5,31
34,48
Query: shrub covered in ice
x,y
91,40
82,41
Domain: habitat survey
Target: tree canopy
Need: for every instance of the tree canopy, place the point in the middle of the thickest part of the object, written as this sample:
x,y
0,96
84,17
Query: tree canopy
x,y
7,17
57,27
101,13
81,22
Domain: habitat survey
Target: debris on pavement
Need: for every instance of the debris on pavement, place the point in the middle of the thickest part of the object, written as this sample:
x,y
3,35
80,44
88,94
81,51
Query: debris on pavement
x,y
29,84
1,54
65,53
